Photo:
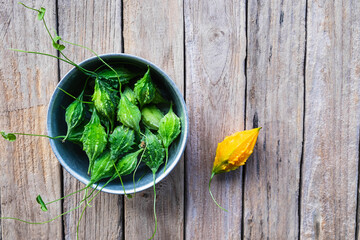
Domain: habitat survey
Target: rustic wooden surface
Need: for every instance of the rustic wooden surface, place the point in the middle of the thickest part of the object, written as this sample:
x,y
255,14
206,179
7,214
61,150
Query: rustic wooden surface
x,y
275,101
28,168
291,67
215,44
332,119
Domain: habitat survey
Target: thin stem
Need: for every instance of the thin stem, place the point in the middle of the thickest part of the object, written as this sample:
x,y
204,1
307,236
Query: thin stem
x,y
137,168
78,224
48,30
134,175
83,211
154,207
167,157
122,184
67,195
86,82
85,197
52,39
78,45
212,175
38,135
88,196
74,96
141,178
36,10
87,204
62,214
11,218
67,60
92,191
142,134
100,190
111,125
42,19
45,54
78,66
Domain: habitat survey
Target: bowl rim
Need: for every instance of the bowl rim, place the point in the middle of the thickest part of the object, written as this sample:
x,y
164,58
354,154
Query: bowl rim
x,y
185,129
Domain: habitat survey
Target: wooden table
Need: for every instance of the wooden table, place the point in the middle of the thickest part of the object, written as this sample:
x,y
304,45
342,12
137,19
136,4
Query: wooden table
x,y
291,67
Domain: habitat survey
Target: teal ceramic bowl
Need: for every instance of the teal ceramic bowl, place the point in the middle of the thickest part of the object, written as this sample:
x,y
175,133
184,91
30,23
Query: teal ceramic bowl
x,y
74,159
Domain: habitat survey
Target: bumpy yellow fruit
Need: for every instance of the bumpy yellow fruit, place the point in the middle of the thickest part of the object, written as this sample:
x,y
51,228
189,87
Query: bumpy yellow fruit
x,y
233,153
235,150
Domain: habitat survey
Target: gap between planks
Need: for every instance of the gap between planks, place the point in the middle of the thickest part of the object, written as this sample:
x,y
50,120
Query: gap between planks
x,y
303,131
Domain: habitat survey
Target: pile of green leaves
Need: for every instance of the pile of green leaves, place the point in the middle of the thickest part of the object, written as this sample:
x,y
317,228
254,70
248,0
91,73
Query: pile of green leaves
x,y
121,118
126,127
120,122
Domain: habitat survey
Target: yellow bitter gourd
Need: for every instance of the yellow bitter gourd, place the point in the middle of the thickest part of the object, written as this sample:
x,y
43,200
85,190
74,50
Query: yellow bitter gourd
x,y
233,153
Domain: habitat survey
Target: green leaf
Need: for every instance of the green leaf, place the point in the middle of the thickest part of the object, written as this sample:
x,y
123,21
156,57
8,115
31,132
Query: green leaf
x,y
42,204
77,132
151,117
159,98
94,139
144,89
56,37
169,128
105,101
129,114
154,152
111,83
103,167
130,95
58,46
127,164
8,136
74,115
124,74
41,13
121,141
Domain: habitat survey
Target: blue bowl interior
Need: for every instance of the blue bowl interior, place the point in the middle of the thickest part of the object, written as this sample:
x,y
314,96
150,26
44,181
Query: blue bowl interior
x,y
74,159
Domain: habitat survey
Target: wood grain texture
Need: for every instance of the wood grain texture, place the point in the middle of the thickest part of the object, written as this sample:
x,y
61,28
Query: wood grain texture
x,y
28,167
215,92
306,100
332,113
154,30
275,101
97,25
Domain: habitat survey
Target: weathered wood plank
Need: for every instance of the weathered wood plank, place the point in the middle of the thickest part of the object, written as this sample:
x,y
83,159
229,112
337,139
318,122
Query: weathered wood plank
x,y
215,92
95,24
28,167
154,30
332,113
275,101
